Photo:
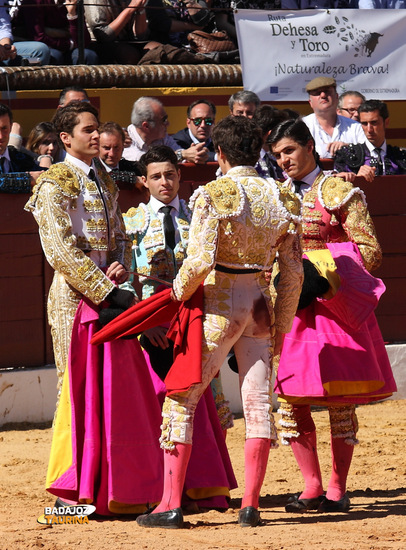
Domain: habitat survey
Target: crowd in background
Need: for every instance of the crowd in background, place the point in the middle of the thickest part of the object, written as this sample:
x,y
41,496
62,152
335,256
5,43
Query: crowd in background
x,y
48,32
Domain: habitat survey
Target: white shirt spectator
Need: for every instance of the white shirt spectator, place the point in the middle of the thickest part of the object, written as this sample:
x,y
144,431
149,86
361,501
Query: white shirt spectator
x,y
138,146
346,130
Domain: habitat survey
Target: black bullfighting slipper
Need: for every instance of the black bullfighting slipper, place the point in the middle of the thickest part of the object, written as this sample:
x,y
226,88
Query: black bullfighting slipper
x,y
342,505
299,505
172,519
59,503
248,517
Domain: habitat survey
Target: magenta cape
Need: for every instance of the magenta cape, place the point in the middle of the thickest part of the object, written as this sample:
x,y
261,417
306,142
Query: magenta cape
x,y
335,352
186,329
105,447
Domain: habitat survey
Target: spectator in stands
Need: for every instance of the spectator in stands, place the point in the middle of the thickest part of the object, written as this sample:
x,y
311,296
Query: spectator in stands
x,y
120,32
349,103
375,156
72,93
17,170
381,4
267,118
224,11
149,123
199,124
112,138
317,4
244,103
329,130
176,20
56,25
44,142
20,53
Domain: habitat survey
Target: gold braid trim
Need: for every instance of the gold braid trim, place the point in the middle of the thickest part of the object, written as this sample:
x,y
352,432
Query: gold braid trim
x,y
289,199
344,423
107,181
225,196
335,192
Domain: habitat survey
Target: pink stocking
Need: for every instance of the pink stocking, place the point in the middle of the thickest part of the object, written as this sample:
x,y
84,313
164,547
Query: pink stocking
x,y
341,454
304,448
175,465
256,459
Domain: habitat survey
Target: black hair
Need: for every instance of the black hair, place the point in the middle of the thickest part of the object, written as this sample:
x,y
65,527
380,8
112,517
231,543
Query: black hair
x,y
5,110
160,153
199,102
371,105
240,140
296,130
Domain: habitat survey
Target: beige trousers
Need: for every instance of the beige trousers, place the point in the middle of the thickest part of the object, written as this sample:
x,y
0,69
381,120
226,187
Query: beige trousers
x,y
237,313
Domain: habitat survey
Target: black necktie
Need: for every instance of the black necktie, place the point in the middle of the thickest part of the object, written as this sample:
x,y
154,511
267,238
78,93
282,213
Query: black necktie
x,y
169,228
91,175
297,184
2,162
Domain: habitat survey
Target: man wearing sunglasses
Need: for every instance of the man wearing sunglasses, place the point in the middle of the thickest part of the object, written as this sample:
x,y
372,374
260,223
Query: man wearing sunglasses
x,y
199,123
148,128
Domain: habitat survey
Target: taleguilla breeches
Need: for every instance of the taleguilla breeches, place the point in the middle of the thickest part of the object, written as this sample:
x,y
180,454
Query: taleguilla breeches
x,y
237,314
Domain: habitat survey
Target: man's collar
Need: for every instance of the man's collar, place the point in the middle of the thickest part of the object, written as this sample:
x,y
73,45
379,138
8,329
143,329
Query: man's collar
x,y
372,147
309,178
80,164
6,154
106,167
156,204
195,140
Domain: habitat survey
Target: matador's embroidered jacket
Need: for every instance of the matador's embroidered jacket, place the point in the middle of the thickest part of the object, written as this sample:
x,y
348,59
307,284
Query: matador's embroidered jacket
x,y
80,226
81,231
334,210
240,221
150,255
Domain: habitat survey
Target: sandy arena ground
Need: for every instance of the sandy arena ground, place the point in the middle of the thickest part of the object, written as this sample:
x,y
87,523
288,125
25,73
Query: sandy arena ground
x,y
377,488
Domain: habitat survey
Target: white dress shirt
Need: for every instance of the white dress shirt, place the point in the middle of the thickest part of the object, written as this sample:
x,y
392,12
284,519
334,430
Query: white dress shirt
x,y
346,130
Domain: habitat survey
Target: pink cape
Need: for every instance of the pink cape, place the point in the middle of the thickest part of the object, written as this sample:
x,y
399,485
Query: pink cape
x,y
335,352
185,330
115,422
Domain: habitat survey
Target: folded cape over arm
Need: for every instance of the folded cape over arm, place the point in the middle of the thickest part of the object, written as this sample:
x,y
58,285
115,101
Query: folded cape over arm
x,y
186,327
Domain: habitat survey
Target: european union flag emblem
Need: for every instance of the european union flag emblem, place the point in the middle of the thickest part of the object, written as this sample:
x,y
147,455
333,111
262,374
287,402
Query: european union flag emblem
x,y
274,89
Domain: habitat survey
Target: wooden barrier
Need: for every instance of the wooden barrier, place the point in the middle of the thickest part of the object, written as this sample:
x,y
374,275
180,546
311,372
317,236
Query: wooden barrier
x,y
25,275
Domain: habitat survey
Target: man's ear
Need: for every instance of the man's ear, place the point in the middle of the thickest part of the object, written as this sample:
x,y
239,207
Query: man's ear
x,y
145,125
65,138
386,122
144,181
220,153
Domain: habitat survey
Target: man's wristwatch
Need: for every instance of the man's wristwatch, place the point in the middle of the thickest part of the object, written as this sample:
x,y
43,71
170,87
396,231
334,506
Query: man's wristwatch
x,y
179,155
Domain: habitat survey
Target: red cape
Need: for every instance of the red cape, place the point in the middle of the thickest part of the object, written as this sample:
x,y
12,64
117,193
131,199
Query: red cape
x,y
185,330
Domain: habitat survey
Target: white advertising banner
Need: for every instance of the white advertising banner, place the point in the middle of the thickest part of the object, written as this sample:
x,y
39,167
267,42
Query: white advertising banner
x,y
364,50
